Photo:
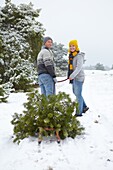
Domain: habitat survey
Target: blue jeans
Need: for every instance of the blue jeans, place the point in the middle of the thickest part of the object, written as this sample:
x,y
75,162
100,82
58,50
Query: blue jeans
x,y
77,90
47,84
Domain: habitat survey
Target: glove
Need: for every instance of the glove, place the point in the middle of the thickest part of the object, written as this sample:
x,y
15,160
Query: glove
x,y
55,80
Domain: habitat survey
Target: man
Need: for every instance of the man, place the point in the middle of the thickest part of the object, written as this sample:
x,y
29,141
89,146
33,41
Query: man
x,y
46,69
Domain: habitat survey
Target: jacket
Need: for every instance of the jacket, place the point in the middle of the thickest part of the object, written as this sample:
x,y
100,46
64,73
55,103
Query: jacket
x,y
78,72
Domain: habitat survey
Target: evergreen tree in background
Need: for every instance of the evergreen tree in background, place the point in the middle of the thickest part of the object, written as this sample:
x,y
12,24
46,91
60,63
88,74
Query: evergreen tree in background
x,y
20,41
99,66
112,67
3,97
59,56
3,94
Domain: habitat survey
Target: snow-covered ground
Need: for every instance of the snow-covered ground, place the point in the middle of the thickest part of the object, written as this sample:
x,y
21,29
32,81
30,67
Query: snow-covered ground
x,y
91,151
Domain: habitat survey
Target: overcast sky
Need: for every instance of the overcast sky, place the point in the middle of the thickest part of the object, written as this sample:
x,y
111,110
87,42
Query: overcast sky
x,y
88,21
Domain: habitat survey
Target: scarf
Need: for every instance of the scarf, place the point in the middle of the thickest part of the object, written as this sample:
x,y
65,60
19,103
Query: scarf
x,y
70,63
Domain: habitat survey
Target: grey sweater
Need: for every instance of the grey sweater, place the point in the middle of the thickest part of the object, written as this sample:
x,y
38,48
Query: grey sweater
x,y
45,62
78,72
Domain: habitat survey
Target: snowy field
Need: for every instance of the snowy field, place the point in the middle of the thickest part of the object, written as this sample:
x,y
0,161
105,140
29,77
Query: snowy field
x,y
91,151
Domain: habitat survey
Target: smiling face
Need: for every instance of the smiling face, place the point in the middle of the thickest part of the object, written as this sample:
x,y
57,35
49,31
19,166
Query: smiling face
x,y
49,43
72,48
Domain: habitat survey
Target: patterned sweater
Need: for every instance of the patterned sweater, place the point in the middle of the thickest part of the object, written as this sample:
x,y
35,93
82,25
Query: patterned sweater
x,y
45,62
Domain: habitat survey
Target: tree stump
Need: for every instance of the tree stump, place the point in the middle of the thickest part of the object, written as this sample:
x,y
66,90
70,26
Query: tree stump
x,y
40,137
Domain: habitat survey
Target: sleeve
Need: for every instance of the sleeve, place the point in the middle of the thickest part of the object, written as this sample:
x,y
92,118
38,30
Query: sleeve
x,y
78,67
48,62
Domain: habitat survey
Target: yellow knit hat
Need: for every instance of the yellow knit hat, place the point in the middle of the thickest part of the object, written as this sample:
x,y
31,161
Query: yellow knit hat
x,y
75,43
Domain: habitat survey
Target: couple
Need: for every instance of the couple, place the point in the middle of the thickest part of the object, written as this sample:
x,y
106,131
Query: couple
x,y
46,71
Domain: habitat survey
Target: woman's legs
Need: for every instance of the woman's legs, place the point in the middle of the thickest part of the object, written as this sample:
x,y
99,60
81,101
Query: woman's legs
x,y
77,90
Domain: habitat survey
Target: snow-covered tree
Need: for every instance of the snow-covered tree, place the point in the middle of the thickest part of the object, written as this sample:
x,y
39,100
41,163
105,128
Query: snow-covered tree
x,y
3,94
99,66
20,41
59,56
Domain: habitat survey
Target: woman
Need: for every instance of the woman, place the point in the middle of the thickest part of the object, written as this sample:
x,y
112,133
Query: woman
x,y
76,74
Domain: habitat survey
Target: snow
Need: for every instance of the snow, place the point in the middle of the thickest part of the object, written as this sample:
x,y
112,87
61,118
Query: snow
x,y
91,151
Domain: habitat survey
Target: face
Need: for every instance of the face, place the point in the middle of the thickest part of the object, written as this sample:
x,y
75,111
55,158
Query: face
x,y
72,48
49,43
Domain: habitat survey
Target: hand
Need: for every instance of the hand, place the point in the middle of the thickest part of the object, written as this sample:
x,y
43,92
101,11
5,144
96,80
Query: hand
x,y
70,78
55,80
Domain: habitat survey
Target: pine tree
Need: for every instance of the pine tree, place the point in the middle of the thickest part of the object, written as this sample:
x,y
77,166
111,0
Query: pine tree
x,y
56,111
112,67
3,94
59,56
20,41
99,66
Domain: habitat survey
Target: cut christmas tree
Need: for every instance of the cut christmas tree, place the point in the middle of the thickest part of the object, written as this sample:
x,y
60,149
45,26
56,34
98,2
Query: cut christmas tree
x,y
55,111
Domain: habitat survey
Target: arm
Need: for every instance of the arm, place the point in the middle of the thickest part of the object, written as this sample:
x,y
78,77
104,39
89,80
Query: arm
x,y
78,68
48,62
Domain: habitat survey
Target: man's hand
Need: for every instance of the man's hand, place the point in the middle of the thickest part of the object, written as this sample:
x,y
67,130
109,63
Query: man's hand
x,y
70,78
55,80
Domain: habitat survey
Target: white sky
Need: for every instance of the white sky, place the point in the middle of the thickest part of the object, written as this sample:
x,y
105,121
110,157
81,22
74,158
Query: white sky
x,y
88,21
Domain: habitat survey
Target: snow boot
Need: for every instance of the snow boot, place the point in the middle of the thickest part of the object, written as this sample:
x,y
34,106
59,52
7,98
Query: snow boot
x,y
85,109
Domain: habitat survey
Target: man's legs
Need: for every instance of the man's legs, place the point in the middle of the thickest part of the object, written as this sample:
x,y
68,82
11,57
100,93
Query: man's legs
x,y
47,84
